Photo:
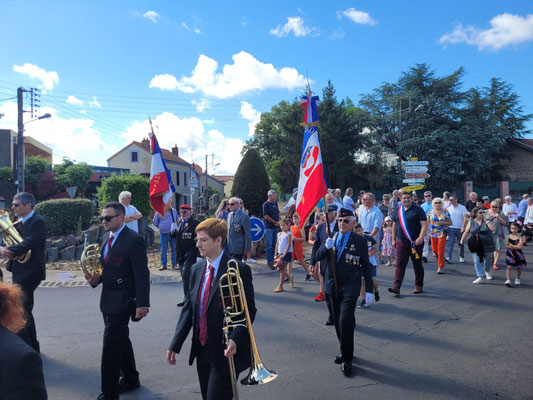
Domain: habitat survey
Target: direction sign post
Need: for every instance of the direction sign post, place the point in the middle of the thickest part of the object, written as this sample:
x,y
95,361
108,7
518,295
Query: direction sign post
x,y
424,175
257,227
416,170
414,180
416,163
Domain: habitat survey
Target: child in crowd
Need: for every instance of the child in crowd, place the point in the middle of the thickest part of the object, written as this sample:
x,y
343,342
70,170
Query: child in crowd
x,y
320,219
386,243
372,250
297,247
283,253
514,257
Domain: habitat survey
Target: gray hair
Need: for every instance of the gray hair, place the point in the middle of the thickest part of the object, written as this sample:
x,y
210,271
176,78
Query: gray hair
x,y
428,192
446,194
371,195
525,196
123,194
507,197
25,198
271,192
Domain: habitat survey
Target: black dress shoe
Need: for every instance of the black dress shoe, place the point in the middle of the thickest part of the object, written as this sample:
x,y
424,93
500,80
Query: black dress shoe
x,y
180,304
394,290
424,259
103,396
125,385
329,322
346,368
338,359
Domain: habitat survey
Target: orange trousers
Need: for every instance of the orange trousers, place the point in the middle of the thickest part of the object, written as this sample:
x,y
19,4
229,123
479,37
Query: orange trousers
x,y
438,246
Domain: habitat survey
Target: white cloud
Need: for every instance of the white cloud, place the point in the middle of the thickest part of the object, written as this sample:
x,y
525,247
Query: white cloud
x,y
197,31
359,17
248,112
185,26
152,16
293,24
190,135
74,100
201,104
505,30
337,35
95,103
244,75
48,79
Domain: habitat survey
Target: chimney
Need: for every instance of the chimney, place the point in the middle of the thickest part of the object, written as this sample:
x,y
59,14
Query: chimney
x,y
175,150
145,143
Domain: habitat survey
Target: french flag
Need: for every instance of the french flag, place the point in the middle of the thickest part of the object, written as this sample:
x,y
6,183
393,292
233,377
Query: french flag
x,y
309,104
161,187
312,184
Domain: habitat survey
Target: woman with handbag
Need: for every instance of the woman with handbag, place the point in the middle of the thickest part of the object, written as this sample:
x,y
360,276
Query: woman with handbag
x,y
479,231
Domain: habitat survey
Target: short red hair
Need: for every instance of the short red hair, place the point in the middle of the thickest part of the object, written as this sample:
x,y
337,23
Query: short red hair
x,y
11,310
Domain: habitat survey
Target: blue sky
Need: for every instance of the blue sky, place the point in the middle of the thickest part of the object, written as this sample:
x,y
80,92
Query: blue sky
x,y
204,71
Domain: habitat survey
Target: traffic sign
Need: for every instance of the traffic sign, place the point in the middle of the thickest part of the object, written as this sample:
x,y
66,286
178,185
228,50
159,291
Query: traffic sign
x,y
258,229
413,188
414,180
417,163
415,169
424,175
71,191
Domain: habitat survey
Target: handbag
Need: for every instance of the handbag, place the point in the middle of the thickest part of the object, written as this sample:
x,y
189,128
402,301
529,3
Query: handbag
x,y
473,243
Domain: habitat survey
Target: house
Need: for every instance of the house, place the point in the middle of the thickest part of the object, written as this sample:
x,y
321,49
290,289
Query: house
x,y
137,158
228,183
100,173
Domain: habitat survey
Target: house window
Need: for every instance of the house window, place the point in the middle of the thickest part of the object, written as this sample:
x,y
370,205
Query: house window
x,y
177,178
185,179
134,156
185,201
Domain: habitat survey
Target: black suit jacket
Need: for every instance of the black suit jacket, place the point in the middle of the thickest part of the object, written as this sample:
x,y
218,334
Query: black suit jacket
x,y
34,239
320,238
215,317
352,263
185,244
21,369
125,276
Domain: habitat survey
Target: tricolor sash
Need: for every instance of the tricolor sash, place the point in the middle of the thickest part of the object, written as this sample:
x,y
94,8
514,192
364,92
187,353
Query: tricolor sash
x,y
405,229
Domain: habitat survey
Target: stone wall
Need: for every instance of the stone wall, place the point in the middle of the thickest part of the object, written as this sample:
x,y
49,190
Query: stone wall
x,y
520,166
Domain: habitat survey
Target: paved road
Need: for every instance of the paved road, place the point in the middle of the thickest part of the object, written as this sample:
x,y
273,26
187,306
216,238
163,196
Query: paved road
x,y
456,341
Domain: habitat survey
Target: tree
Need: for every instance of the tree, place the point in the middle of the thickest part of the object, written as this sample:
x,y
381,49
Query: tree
x,y
6,174
69,174
251,182
138,185
34,170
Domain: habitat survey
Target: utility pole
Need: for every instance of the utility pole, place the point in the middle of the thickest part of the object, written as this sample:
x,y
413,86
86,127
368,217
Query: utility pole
x,y
20,141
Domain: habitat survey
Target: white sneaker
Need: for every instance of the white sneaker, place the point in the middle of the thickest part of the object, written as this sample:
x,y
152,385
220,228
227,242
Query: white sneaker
x,y
251,261
488,275
478,280
461,259
508,283
517,281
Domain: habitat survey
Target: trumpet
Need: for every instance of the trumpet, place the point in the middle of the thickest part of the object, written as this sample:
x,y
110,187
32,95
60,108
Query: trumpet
x,y
10,236
236,314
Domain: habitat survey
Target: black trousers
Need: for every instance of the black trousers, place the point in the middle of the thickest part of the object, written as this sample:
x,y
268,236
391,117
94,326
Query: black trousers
x,y
29,333
238,257
185,271
343,310
214,376
117,354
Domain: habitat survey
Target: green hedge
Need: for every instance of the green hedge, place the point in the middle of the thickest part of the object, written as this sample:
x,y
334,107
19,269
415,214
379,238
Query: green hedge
x,y
63,215
138,185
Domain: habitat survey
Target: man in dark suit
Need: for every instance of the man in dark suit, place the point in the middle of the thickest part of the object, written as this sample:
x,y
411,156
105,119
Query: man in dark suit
x,y
203,312
351,259
126,292
28,275
186,246
320,239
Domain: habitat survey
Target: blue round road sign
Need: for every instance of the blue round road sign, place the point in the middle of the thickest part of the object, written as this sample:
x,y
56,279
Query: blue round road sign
x,y
258,229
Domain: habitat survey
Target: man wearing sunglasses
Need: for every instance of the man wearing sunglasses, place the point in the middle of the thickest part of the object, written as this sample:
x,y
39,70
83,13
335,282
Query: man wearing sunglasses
x,y
350,254
29,275
239,234
186,247
125,293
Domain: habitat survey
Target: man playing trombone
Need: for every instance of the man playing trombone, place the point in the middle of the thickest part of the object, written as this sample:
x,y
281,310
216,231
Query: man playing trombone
x,y
203,312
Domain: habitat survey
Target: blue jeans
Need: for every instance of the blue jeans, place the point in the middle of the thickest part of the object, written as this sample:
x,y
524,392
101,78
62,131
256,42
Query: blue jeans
x,y
164,240
380,246
454,233
479,266
270,243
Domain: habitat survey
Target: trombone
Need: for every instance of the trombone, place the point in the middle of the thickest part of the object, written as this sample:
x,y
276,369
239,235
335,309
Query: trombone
x,y
236,314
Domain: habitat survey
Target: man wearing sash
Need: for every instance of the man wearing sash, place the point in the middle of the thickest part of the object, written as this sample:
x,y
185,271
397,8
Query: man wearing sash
x,y
409,229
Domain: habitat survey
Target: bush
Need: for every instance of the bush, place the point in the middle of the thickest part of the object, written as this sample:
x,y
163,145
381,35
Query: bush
x,y
138,185
251,182
63,215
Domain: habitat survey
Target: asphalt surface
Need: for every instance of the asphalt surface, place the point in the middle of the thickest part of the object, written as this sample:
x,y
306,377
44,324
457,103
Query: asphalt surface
x,y
455,341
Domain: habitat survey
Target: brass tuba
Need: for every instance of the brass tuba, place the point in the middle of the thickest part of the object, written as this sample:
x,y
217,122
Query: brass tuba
x,y
90,260
10,236
236,314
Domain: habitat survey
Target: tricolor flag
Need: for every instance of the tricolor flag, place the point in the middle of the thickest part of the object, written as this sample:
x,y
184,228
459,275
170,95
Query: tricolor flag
x,y
161,187
309,104
312,184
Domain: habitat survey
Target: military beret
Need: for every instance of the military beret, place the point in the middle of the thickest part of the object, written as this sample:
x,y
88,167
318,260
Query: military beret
x,y
344,213
185,207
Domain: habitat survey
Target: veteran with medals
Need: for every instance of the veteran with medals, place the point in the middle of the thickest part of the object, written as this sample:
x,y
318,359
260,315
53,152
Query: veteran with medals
x,y
350,260
186,250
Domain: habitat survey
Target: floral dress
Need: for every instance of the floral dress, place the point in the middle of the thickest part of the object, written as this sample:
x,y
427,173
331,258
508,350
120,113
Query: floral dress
x,y
387,249
437,231
515,258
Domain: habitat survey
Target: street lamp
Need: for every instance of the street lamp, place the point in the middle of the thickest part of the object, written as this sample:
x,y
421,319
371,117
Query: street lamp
x,y
20,149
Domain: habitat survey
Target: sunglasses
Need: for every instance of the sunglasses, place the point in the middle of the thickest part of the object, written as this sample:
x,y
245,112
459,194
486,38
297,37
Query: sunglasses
x,y
184,211
427,195
108,218
231,204
16,204
438,202
345,220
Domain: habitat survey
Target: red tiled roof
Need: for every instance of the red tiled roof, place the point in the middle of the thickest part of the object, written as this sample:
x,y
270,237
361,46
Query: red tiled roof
x,y
197,168
527,143
167,155
224,178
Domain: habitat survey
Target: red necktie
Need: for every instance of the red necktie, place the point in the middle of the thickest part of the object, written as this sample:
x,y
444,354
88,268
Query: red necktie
x,y
20,227
205,300
109,243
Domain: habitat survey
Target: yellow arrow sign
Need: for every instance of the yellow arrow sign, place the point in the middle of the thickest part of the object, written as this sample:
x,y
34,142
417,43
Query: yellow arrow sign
x,y
413,188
